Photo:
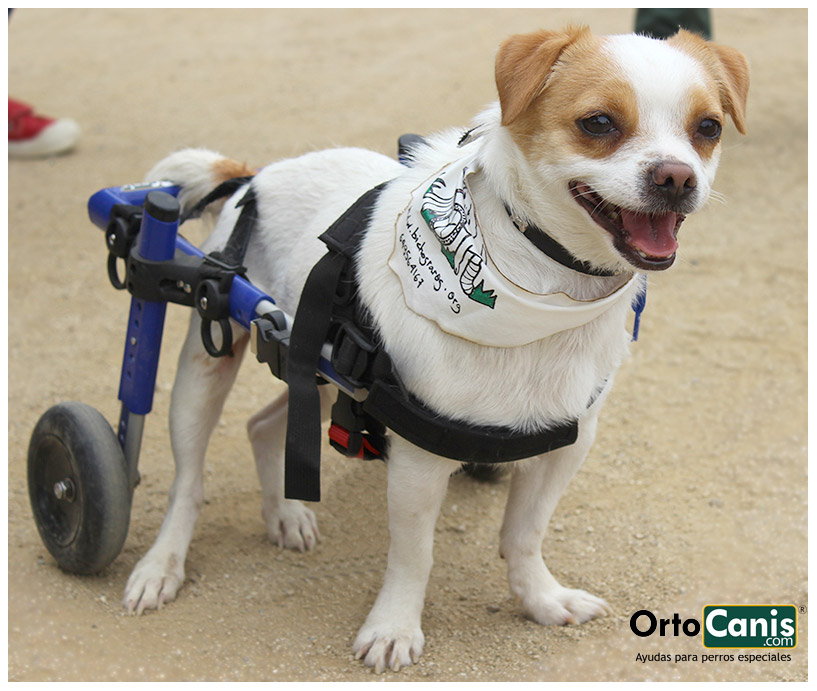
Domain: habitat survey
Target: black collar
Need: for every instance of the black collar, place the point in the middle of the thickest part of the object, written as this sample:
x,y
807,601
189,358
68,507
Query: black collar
x,y
546,244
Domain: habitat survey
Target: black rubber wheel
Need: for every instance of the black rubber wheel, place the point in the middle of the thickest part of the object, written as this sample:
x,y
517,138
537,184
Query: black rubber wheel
x,y
78,486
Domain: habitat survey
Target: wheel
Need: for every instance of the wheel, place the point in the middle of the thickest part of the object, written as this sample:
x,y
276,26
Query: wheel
x,y
78,486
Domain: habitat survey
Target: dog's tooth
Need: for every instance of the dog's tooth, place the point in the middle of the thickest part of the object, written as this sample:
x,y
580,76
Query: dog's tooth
x,y
611,212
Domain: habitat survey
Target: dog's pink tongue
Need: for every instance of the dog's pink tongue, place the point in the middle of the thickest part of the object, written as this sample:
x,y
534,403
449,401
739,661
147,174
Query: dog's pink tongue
x,y
653,234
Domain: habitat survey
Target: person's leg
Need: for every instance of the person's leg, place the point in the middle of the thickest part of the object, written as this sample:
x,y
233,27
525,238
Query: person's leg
x,y
663,22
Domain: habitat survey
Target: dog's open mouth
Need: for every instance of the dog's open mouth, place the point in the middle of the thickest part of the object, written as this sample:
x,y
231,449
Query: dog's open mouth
x,y
647,241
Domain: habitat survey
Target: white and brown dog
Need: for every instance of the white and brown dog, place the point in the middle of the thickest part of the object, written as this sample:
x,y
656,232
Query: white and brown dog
x,y
603,143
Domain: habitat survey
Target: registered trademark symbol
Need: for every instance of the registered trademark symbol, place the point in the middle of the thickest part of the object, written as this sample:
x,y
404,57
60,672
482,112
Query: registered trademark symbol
x,y
802,609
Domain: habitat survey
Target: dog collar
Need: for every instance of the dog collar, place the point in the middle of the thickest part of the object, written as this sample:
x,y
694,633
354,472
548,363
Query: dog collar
x,y
538,237
558,253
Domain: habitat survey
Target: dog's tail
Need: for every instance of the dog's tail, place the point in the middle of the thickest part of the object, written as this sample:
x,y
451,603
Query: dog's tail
x,y
198,172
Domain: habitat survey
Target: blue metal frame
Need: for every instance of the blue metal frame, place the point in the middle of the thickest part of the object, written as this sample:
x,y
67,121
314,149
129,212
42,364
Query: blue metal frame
x,y
156,242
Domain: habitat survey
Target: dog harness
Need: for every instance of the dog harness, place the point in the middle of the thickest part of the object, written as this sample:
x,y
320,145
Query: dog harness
x,y
329,311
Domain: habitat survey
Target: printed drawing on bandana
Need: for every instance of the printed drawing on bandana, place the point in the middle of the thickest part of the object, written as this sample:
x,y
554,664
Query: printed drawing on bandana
x,y
450,215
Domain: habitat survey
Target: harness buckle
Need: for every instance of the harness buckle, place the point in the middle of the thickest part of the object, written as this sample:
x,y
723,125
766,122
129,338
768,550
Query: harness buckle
x,y
351,353
270,342
354,433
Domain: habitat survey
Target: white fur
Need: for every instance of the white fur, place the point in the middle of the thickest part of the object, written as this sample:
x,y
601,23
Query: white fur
x,y
667,75
529,388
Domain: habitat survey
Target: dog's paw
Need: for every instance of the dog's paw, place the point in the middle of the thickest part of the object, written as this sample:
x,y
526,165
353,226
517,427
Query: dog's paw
x,y
292,525
388,647
153,583
565,606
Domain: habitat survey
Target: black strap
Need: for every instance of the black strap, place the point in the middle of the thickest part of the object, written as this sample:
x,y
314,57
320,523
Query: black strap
x,y
309,332
410,419
547,245
232,256
225,189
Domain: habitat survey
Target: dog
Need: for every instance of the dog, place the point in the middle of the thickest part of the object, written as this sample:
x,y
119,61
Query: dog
x,y
602,143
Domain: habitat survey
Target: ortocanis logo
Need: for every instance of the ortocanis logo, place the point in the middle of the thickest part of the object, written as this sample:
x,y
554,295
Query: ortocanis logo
x,y
750,626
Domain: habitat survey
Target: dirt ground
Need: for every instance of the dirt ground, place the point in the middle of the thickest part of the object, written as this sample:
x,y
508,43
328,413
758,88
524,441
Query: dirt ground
x,y
695,491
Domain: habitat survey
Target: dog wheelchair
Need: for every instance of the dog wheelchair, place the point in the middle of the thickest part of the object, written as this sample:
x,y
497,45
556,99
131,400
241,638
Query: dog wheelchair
x,y
82,473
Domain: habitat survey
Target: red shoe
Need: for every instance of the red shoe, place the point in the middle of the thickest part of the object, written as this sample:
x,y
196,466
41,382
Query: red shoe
x,y
31,135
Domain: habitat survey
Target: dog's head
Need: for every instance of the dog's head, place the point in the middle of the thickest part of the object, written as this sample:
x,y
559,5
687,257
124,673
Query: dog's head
x,y
619,136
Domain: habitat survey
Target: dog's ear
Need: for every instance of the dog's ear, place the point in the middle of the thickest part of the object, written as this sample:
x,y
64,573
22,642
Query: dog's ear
x,y
730,69
736,87
523,64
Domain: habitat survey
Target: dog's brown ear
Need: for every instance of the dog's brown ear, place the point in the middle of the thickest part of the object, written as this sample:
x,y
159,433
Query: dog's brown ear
x,y
523,64
736,91
731,71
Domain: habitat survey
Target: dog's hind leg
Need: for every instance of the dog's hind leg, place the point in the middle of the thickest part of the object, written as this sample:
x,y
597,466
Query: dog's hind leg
x,y
290,524
536,486
200,389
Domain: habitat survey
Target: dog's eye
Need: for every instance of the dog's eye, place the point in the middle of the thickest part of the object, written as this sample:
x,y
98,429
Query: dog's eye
x,y
598,124
709,128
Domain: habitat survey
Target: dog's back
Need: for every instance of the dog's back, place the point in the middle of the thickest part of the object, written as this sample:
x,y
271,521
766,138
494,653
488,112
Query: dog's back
x,y
298,199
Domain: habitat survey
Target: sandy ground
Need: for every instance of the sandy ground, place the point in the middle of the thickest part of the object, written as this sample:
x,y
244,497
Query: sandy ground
x,y
696,489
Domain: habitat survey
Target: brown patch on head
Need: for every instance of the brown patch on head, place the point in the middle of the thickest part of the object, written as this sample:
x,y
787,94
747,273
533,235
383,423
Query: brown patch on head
x,y
551,82
523,64
226,169
726,66
704,108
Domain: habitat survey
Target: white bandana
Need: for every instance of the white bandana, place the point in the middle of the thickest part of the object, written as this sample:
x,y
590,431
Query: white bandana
x,y
448,277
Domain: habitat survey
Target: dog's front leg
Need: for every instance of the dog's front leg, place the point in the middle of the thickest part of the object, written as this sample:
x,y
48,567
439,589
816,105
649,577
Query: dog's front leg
x,y
536,486
392,636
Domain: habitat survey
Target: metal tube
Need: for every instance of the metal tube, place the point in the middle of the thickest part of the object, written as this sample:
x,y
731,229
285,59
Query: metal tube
x,y
143,341
131,427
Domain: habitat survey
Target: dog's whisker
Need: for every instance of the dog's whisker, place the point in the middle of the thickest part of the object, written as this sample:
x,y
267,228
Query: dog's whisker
x,y
715,196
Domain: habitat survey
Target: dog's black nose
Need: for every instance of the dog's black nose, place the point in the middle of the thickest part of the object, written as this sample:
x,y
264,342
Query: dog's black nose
x,y
674,180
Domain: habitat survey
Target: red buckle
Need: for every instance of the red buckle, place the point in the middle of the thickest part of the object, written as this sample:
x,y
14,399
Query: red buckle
x,y
340,435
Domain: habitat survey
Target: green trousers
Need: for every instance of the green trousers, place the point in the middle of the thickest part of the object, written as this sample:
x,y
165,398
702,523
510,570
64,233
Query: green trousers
x,y
661,22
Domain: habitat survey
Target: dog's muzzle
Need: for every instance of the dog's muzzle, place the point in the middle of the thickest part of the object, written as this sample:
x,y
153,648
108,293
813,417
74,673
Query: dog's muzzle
x,y
646,239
